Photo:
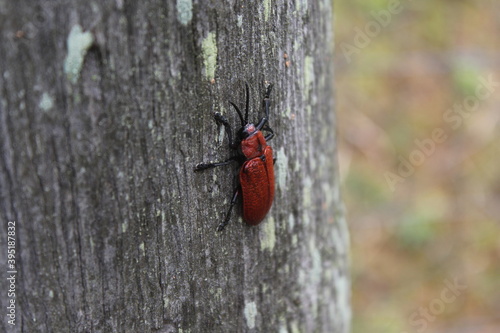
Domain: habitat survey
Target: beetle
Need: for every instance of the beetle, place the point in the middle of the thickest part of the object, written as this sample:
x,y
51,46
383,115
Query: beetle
x,y
255,157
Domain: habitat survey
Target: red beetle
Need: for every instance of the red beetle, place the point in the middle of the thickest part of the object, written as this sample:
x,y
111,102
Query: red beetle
x,y
256,176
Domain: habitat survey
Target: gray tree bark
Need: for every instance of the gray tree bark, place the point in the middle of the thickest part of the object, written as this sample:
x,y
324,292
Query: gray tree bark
x,y
105,109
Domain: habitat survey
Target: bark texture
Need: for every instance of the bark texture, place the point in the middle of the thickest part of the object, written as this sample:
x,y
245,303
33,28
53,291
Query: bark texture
x,y
106,106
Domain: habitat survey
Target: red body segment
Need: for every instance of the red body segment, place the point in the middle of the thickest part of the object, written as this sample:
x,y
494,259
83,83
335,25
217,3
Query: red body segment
x,y
253,145
257,186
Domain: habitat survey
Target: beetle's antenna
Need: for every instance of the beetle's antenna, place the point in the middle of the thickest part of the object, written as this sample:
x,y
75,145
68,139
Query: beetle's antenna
x,y
266,99
247,102
239,113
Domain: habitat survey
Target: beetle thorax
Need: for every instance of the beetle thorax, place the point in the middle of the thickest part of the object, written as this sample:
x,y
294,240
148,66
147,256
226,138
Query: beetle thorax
x,y
253,142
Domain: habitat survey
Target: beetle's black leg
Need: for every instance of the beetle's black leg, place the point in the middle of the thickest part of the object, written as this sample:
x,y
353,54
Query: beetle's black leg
x,y
261,123
219,118
203,166
228,215
267,103
271,132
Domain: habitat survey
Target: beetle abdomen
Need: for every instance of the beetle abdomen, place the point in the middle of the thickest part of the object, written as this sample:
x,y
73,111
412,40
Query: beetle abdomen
x,y
257,187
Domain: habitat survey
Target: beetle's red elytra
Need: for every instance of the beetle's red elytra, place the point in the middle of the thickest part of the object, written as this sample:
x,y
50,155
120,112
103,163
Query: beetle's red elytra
x,y
257,178
256,175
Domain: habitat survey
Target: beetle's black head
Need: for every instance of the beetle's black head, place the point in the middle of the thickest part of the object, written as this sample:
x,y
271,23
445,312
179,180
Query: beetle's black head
x,y
247,131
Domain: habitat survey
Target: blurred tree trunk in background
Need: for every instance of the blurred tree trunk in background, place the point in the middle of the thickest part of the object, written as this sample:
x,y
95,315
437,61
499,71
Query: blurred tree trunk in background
x,y
105,109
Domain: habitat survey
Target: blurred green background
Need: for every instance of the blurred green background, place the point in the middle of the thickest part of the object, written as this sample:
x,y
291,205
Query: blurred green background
x,y
412,86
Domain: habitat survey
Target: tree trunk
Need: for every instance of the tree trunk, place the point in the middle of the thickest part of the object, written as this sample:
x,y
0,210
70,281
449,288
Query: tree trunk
x,y
105,109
